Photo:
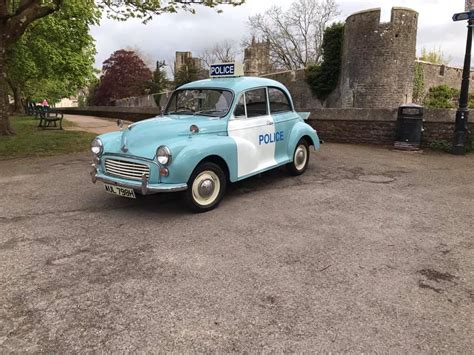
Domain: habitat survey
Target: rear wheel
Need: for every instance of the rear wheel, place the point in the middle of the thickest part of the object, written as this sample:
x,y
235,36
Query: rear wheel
x,y
300,159
206,187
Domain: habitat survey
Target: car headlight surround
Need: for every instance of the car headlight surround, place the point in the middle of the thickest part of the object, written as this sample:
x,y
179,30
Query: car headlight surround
x,y
97,147
163,155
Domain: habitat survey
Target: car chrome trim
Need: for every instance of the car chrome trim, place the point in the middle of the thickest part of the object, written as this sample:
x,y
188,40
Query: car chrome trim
x,y
125,169
130,157
143,186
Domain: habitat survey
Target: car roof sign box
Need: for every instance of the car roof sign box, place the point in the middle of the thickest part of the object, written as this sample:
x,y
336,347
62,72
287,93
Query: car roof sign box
x,y
226,70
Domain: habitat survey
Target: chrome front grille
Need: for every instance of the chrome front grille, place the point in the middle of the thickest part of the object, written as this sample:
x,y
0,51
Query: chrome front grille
x,y
126,169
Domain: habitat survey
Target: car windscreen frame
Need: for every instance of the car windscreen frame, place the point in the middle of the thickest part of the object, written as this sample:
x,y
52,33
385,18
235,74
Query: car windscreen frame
x,y
231,105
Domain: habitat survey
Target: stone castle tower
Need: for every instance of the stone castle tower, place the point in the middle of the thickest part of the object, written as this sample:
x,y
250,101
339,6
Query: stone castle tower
x,y
378,59
257,59
184,59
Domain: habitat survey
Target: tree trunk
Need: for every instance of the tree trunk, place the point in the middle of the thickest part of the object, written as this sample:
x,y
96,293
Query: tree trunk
x,y
18,103
5,128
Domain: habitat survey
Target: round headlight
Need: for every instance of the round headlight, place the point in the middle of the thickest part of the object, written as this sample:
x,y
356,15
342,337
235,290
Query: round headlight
x,y
97,147
163,154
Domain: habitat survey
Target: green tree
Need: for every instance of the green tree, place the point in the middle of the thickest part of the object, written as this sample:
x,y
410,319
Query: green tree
x,y
54,58
324,78
16,16
186,74
160,80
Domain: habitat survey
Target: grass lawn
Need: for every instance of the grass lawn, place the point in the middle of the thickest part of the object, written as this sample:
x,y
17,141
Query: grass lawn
x,y
31,141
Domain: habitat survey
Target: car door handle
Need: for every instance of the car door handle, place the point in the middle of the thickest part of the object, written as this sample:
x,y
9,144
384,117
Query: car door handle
x,y
270,123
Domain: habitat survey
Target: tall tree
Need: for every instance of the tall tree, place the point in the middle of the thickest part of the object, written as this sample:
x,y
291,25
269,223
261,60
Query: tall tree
x,y
54,58
295,37
16,16
186,74
159,82
434,55
222,52
124,74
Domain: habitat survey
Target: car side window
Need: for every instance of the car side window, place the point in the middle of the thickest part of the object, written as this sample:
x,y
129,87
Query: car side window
x,y
240,108
256,101
279,101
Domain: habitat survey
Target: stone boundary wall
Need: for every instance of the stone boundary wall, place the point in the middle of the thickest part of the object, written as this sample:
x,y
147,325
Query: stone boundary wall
x,y
377,126
154,100
355,126
133,114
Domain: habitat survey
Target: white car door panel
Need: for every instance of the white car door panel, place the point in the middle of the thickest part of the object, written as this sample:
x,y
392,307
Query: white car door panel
x,y
254,138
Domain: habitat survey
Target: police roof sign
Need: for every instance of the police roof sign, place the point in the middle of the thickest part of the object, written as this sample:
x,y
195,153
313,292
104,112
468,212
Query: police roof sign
x,y
226,70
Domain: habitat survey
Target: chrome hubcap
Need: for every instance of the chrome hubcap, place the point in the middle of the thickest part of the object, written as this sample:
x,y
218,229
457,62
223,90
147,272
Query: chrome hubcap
x,y
206,188
301,156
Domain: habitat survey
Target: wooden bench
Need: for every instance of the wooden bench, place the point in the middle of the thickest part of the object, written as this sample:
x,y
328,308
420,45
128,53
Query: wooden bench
x,y
49,118
30,109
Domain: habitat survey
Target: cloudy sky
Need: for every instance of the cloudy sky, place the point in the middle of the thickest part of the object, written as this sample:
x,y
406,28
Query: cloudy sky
x,y
166,34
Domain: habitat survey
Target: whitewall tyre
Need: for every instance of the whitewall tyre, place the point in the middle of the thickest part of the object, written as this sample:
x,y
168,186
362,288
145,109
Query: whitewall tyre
x,y
206,187
300,159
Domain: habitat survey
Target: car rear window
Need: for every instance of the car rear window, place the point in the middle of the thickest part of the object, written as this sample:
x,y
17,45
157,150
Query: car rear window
x,y
279,101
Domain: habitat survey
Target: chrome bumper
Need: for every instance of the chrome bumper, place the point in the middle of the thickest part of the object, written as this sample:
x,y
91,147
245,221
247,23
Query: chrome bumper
x,y
144,186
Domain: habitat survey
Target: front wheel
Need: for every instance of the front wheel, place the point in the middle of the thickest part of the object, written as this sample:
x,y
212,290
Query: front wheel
x,y
300,159
206,187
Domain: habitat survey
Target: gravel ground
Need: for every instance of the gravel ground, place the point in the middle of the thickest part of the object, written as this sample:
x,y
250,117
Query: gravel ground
x,y
370,251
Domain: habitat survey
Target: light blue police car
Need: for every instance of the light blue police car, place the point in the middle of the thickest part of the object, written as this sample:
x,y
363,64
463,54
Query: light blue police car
x,y
212,132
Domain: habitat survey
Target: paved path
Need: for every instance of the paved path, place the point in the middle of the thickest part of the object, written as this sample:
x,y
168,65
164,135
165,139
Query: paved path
x,y
98,125
370,251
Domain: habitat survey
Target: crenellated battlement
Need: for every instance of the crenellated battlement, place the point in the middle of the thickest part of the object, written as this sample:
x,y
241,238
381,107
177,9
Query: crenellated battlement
x,y
378,58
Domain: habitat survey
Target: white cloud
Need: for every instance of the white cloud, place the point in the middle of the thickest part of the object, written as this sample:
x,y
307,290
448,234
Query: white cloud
x,y
165,34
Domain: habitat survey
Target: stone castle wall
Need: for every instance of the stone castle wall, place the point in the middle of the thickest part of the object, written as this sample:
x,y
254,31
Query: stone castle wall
x,y
378,59
438,74
295,81
377,66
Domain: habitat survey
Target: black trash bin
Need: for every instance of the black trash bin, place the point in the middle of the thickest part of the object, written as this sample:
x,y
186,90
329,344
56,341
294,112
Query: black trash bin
x,y
409,127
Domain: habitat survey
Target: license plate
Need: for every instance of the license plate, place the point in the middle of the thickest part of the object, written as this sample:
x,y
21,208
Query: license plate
x,y
120,191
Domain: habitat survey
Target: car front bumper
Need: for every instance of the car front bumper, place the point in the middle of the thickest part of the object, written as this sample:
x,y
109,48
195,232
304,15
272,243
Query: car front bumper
x,y
143,186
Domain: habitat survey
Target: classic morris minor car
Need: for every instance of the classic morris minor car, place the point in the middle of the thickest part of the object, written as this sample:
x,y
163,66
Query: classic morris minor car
x,y
212,132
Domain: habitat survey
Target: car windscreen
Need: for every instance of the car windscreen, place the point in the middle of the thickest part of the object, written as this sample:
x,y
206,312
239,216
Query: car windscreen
x,y
204,102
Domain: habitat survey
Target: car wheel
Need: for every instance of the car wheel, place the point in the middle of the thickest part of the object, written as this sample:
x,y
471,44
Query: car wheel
x,y
300,159
206,187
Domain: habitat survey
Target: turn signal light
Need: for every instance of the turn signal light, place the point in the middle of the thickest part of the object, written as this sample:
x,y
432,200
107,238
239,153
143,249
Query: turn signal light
x,y
164,171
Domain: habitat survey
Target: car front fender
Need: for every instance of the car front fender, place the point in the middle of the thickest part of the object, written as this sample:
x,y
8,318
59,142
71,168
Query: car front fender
x,y
197,149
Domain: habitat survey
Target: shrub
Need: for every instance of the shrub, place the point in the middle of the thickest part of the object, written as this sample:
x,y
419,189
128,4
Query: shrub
x,y
441,96
442,146
418,84
323,78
